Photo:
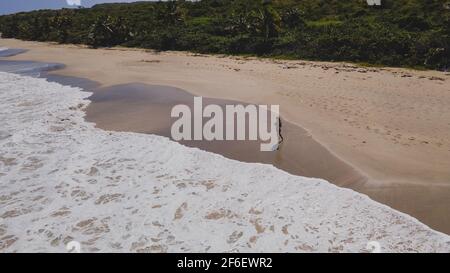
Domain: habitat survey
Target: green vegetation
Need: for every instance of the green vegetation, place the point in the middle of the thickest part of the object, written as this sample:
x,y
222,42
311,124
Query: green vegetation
x,y
414,33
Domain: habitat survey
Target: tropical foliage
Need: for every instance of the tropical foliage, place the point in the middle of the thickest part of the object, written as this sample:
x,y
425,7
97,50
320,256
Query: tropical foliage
x,y
399,33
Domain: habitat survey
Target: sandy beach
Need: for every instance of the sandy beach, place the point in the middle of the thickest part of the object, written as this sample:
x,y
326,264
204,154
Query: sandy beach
x,y
147,109
66,184
391,124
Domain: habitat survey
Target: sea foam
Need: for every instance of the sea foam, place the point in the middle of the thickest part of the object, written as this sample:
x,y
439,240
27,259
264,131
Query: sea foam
x,y
63,180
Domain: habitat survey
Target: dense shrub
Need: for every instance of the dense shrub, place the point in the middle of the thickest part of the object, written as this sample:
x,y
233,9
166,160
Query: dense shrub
x,y
400,33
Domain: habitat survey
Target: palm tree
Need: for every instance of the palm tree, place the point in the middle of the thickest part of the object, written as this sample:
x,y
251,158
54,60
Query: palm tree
x,y
108,31
61,23
270,20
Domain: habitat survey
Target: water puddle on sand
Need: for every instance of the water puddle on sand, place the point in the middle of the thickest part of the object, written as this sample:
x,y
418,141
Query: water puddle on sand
x,y
146,109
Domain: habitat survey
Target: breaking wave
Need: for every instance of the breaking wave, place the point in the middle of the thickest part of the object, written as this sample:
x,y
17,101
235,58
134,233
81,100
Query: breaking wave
x,y
63,180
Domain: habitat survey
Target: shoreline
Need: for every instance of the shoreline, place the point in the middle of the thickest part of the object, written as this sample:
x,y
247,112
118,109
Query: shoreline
x,y
413,168
164,203
146,109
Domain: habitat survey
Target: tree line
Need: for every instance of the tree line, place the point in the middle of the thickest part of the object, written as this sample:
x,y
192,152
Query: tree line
x,y
412,33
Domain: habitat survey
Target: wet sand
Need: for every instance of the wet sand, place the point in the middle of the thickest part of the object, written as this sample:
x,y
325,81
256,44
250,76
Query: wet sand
x,y
146,109
390,124
143,108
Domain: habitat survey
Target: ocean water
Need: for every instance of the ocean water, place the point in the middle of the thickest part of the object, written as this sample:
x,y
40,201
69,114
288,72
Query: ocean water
x,y
28,68
8,52
64,180
40,69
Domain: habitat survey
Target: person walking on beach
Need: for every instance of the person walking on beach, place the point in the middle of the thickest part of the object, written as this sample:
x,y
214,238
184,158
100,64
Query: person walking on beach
x,y
280,135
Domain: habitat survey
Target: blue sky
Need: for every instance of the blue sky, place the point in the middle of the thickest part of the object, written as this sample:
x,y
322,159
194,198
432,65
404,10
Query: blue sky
x,y
12,6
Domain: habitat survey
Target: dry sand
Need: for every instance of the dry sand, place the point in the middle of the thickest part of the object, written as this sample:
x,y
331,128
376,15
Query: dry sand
x,y
391,124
